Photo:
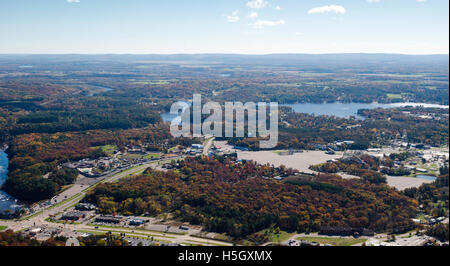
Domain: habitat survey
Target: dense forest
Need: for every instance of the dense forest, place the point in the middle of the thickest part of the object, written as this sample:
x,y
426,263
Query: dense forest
x,y
433,197
62,108
35,155
241,199
283,78
82,120
367,167
381,126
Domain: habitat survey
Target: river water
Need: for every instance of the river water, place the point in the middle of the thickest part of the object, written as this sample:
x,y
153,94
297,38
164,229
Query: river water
x,y
6,202
337,109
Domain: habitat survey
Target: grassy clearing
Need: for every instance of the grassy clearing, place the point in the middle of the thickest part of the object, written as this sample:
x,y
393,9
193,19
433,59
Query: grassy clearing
x,y
172,149
283,236
131,156
152,156
109,149
394,96
135,229
136,232
130,174
50,220
407,234
146,237
423,218
216,237
2,227
200,243
334,241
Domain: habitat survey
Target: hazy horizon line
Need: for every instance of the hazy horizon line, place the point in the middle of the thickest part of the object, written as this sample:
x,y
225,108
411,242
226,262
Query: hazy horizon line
x,y
247,54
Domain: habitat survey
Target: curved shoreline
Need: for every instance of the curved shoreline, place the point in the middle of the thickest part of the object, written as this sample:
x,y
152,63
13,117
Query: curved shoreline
x,y
7,202
393,104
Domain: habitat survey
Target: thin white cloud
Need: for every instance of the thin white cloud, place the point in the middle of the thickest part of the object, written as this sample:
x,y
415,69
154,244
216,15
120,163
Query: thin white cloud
x,y
233,17
268,23
73,1
277,8
378,1
253,15
256,4
328,9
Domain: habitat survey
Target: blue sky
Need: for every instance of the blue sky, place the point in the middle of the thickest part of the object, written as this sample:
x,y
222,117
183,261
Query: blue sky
x,y
224,26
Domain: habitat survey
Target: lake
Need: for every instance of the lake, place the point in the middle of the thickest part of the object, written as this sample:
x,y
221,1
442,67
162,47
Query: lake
x,y
427,177
345,110
6,202
338,109
94,90
168,117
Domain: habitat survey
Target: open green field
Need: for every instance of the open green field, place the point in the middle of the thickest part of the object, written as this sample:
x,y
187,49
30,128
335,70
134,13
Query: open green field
x,y
140,156
109,149
139,236
152,156
334,241
172,149
50,220
137,230
2,227
283,236
394,96
432,169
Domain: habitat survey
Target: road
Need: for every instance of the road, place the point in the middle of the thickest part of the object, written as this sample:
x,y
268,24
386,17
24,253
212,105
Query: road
x,y
378,240
403,240
207,146
145,234
71,196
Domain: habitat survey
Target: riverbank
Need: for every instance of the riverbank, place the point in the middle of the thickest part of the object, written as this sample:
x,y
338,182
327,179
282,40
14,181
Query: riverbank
x,y
346,110
7,202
